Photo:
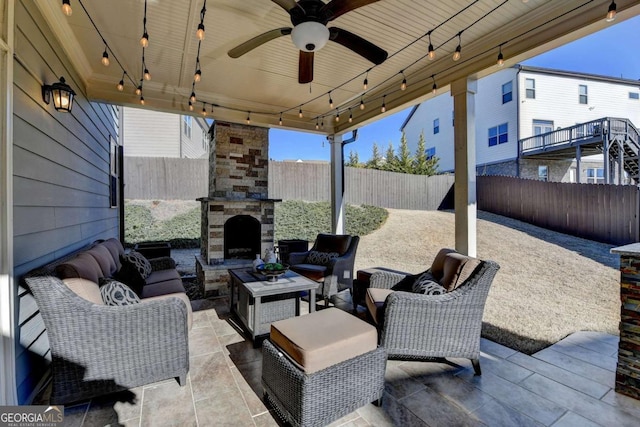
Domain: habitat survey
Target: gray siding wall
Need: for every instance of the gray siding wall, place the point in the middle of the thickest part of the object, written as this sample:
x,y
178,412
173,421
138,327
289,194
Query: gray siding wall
x,y
61,177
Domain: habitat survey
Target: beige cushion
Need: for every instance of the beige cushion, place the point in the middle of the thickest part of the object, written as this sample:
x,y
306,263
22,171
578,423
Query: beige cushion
x,y
324,338
375,301
85,289
179,295
437,266
457,269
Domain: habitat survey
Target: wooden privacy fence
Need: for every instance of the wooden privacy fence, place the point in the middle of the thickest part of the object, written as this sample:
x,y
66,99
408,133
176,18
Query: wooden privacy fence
x,y
605,213
156,178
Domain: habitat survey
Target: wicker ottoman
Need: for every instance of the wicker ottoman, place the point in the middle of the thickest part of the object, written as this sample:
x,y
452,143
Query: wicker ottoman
x,y
319,367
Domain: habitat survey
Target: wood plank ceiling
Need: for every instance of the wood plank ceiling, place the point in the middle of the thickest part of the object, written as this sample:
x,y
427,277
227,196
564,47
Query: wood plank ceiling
x,y
265,80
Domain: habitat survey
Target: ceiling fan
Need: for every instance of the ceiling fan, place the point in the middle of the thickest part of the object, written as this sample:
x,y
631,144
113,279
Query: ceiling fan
x,y
310,33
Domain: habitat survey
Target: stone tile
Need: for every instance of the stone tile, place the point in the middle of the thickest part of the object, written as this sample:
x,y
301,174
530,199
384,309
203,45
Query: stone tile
x,y
223,409
581,353
398,383
588,407
576,366
168,404
577,382
210,375
399,414
224,327
200,320
239,350
599,342
512,395
496,414
74,415
435,410
495,349
626,403
421,371
571,419
115,408
267,419
207,306
458,391
248,378
375,416
203,341
346,420
503,368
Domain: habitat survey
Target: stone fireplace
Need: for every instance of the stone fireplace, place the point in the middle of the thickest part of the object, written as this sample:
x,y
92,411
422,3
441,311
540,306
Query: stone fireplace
x,y
237,215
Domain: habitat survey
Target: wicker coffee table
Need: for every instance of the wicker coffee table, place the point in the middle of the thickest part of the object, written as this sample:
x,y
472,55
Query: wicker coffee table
x,y
258,302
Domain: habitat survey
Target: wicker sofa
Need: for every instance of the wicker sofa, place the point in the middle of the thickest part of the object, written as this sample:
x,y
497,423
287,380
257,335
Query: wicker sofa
x,y
98,349
418,326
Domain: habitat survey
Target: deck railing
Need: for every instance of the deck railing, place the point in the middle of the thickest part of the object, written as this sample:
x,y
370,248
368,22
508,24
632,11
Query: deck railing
x,y
568,135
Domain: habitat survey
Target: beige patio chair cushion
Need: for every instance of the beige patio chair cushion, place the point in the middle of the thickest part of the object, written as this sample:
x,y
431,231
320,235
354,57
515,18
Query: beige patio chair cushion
x,y
324,338
457,269
84,288
375,301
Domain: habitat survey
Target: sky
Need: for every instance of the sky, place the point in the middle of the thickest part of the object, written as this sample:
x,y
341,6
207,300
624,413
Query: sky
x,y
612,52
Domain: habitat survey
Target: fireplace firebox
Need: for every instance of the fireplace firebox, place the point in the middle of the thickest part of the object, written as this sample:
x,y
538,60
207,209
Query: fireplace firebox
x,y
241,237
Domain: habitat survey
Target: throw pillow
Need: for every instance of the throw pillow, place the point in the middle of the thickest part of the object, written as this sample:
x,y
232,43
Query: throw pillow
x,y
129,275
425,284
117,293
140,262
321,258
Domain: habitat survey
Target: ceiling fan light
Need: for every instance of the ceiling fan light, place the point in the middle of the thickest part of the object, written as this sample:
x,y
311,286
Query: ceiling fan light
x,y
310,36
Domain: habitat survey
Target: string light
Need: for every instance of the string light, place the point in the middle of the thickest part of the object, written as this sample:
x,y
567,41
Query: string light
x,y
434,88
456,54
362,107
403,85
200,30
190,106
249,117
211,109
139,88
142,100
105,57
300,113
120,86
330,100
611,13
144,41
66,7
337,115
322,123
365,83
384,104
431,53
192,98
147,75
500,57
317,124
204,110
280,121
197,76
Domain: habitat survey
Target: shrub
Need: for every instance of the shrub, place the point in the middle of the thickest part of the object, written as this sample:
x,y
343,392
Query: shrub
x,y
181,231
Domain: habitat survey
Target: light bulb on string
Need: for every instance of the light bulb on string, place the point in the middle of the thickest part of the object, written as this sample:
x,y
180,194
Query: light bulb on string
x,y
147,74
611,13
142,100
197,76
317,125
280,121
190,106
105,57
66,7
144,41
458,52
200,31
120,85
403,85
300,113
362,107
384,105
337,115
500,58
139,89
365,83
249,117
330,100
432,52
192,98
204,110
322,123
434,88
350,116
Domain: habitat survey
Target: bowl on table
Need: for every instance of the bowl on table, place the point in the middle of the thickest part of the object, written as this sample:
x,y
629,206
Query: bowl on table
x,y
272,270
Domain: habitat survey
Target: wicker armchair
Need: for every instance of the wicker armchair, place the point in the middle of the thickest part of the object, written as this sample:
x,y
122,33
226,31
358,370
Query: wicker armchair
x,y
337,273
100,349
416,326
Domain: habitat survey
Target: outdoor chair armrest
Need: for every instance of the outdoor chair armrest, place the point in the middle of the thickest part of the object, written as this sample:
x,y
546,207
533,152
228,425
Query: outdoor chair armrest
x,y
162,263
385,279
297,257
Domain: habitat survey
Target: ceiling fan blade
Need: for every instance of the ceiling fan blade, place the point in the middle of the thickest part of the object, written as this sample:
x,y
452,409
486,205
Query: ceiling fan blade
x,y
362,47
253,43
290,6
305,67
335,8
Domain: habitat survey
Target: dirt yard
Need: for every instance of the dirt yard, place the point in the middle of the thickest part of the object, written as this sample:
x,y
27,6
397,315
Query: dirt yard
x,y
549,284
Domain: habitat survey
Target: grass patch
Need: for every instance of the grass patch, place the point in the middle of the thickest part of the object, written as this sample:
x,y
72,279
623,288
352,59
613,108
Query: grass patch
x,y
294,219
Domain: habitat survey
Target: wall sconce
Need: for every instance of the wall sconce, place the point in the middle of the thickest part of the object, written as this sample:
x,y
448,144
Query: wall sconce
x,y
62,95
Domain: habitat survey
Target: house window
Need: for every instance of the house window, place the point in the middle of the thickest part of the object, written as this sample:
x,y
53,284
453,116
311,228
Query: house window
x,y
595,176
498,134
583,94
634,95
114,166
430,152
507,92
543,173
436,126
530,88
542,126
186,126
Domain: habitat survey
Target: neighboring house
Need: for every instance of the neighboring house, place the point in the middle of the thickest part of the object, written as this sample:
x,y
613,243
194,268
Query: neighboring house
x,y
147,133
522,102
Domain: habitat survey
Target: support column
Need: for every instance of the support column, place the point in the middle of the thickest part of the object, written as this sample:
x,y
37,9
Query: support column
x,y
463,92
337,184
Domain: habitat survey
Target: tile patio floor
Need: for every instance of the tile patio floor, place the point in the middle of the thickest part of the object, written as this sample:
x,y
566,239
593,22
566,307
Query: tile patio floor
x,y
567,384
